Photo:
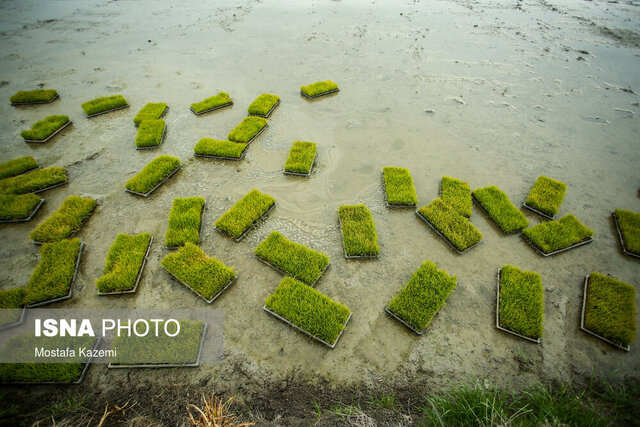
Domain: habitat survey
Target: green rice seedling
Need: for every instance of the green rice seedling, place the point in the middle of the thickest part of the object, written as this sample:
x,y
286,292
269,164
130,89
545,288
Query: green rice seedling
x,y
245,213
11,306
216,102
17,166
453,227
104,105
420,299
496,203
37,96
150,134
520,302
264,105
458,194
248,129
53,277
398,187
559,235
35,181
124,265
162,350
546,196
317,89
151,111
609,309
301,158
206,276
292,258
214,148
18,208
185,221
628,225
153,175
44,130
308,310
358,232
65,221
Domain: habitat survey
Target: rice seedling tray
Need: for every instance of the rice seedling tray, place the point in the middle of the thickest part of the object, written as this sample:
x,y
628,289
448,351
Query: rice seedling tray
x,y
60,129
213,156
18,322
164,113
251,227
60,184
28,218
371,256
393,205
199,229
266,116
17,104
153,147
148,193
212,299
319,94
299,329
256,135
546,254
211,109
264,261
135,287
511,233
622,242
444,238
532,209
534,340
73,280
306,175
88,116
399,319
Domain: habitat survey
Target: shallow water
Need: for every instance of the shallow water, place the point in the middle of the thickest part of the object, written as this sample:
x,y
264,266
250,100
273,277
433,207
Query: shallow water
x,y
491,92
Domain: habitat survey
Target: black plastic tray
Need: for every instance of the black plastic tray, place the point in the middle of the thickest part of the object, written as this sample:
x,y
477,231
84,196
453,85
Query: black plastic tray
x,y
306,175
266,116
264,261
509,331
545,254
320,94
277,316
211,109
70,293
159,117
253,224
148,193
16,104
54,133
28,218
153,147
622,244
460,252
135,287
88,116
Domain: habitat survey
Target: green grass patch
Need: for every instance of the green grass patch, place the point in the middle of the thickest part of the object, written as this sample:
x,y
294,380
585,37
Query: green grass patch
x,y
559,234
318,88
33,182
151,111
301,157
610,310
629,225
53,276
17,166
150,133
398,186
104,104
211,103
124,262
420,299
10,305
293,258
521,301
218,148
263,104
309,310
358,231
36,96
44,128
546,195
247,129
152,174
66,220
454,227
184,221
508,217
17,207
204,275
458,194
241,217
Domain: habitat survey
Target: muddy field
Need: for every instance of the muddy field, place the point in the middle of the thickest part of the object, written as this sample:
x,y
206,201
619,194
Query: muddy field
x,y
491,92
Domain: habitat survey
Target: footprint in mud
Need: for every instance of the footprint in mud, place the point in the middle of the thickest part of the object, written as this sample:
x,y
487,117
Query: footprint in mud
x,y
195,85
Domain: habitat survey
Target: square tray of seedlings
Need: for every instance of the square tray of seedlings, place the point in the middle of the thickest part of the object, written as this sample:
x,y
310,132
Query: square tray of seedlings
x,y
34,97
125,264
245,214
221,150
221,100
151,111
248,130
399,191
53,278
359,236
553,237
264,105
12,309
292,259
497,205
454,228
104,105
609,310
36,181
153,175
151,134
185,222
318,89
545,197
18,166
65,221
302,157
45,129
520,303
308,311
422,297
162,351
458,194
19,208
628,227
205,276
